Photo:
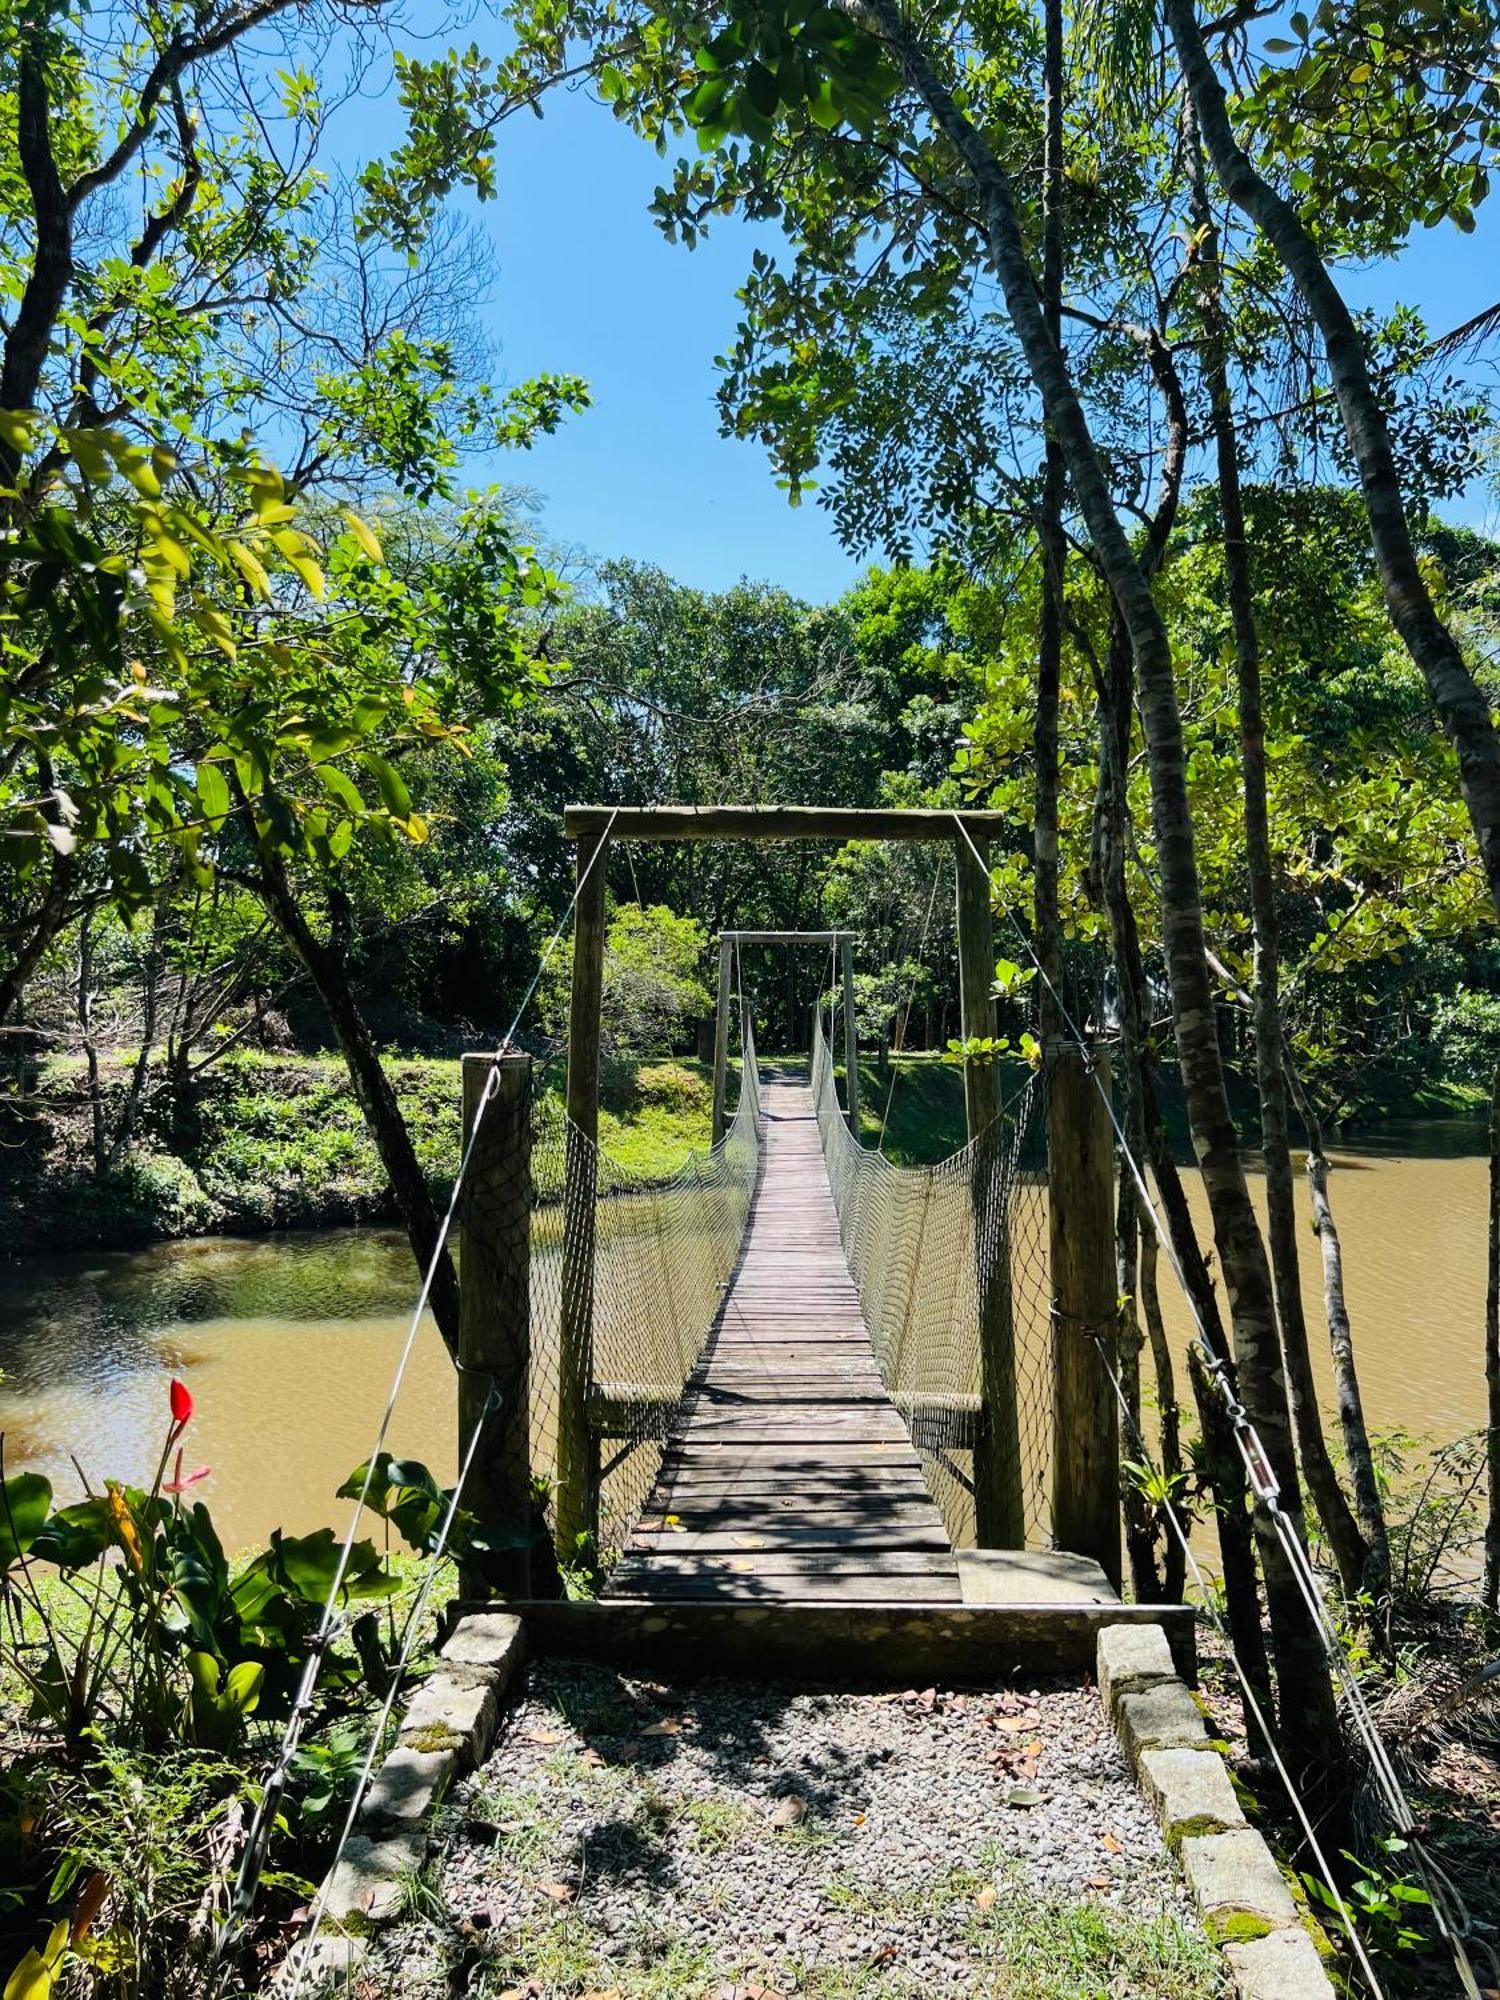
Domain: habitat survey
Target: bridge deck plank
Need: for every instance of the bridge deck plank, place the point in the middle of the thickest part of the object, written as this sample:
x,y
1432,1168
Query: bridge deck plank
x,y
789,1473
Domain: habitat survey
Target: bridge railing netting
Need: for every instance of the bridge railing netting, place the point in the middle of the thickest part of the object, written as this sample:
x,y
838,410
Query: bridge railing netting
x,y
663,1252
923,1242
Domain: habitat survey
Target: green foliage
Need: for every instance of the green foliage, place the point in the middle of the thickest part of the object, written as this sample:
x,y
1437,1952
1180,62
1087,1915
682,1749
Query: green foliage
x,y
1390,1910
135,1659
652,984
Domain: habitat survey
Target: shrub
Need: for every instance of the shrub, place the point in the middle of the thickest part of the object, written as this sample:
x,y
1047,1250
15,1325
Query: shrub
x,y
671,1087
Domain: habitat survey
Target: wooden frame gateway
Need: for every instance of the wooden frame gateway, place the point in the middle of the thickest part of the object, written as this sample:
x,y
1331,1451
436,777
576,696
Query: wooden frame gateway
x,y
840,941
998,1502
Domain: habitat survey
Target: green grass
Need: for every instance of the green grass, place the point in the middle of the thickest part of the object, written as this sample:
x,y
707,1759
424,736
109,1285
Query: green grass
x,y
278,1142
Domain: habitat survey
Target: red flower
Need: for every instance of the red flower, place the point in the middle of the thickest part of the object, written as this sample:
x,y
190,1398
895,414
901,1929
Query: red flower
x,y
182,1403
181,1480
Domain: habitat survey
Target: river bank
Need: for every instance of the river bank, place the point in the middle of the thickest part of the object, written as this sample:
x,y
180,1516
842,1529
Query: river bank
x,y
264,1143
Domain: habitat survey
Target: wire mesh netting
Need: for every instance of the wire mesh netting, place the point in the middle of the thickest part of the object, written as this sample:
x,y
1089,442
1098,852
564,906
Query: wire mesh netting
x,y
642,1264
941,1254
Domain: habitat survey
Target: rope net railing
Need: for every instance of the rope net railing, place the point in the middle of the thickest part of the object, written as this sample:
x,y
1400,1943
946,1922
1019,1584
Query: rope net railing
x,y
950,1259
663,1251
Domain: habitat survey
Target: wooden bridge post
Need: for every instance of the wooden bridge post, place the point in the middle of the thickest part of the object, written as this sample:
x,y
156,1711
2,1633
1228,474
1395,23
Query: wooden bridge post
x,y
577,1504
851,1038
999,1501
721,1040
494,1315
1085,1306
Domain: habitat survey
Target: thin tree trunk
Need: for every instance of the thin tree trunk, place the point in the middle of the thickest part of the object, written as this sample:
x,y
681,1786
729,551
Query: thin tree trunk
x,y
1368,1507
1147,1136
1308,1714
372,1087
1169,1416
84,1002
1048,921
1460,702
135,1092
1492,1364
1349,1548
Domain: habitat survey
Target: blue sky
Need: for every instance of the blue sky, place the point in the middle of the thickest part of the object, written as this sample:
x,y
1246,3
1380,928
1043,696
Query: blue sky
x,y
584,283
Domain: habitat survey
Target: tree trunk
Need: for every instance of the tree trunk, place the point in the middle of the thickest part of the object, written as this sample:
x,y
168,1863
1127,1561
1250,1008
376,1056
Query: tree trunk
x,y
1460,702
329,973
84,1005
1048,921
1492,1364
1308,1714
1349,1548
1147,1136
1169,1416
1368,1506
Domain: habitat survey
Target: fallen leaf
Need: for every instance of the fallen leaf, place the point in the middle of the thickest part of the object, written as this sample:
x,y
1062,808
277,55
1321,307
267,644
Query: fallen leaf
x,y
674,1522
558,1891
859,1819
1023,1795
1014,1724
1114,1846
986,1899
668,1726
790,1811
591,1758
1035,1747
543,1736
1100,1882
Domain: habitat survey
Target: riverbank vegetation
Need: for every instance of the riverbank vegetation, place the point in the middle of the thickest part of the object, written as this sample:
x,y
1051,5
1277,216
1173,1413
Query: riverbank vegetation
x,y
1169,573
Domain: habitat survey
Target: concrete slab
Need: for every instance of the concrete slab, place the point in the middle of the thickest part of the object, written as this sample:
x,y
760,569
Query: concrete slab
x,y
1031,1576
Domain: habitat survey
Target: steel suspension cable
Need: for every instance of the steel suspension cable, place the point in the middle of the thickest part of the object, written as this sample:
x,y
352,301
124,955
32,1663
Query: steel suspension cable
x,y
1264,1486
258,1840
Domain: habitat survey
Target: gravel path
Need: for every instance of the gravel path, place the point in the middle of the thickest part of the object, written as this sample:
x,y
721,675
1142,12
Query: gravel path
x,y
736,1842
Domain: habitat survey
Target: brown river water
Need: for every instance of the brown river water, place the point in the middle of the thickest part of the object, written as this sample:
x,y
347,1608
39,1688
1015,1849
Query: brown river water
x,y
287,1343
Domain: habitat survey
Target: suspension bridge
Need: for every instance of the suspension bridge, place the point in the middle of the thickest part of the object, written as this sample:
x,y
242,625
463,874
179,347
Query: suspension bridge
x,y
795,1380
797,1412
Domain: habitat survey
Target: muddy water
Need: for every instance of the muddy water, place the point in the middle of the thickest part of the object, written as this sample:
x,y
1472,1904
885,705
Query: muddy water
x,y
287,1343
1411,1214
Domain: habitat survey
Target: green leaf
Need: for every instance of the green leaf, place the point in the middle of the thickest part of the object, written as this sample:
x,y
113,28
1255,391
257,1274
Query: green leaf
x,y
25,1501
35,1976
75,1536
213,793
339,785
393,793
364,535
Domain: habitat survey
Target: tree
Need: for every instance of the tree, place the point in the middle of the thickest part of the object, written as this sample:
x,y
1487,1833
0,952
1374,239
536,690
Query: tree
x,y
653,984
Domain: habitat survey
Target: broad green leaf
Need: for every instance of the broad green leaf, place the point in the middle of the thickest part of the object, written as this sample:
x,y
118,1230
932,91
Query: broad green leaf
x,y
251,569
393,793
213,793
339,785
25,1501
365,535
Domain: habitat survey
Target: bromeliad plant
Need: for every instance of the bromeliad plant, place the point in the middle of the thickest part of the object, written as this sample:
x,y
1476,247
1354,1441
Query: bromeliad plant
x,y
135,1658
148,1634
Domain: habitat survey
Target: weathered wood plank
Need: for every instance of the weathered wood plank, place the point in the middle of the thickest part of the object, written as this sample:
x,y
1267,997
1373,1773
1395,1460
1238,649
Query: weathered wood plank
x,y
788,1472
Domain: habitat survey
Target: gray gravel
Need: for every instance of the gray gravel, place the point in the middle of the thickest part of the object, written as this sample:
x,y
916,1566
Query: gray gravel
x,y
720,1839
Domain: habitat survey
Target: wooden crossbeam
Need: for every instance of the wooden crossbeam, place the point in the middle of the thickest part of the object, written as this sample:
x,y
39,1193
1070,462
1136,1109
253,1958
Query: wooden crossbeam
x,y
775,823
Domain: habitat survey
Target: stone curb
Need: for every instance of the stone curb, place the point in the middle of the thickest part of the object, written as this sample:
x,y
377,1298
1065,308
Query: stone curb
x,y
448,1728
1231,1874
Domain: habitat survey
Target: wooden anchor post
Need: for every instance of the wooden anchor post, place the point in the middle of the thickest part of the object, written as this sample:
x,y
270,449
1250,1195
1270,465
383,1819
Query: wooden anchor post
x,y
851,1037
999,1500
1085,1308
494,1317
721,1039
577,1500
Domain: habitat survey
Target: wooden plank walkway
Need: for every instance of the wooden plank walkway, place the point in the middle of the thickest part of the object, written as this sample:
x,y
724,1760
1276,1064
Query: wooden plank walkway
x,y
789,1474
